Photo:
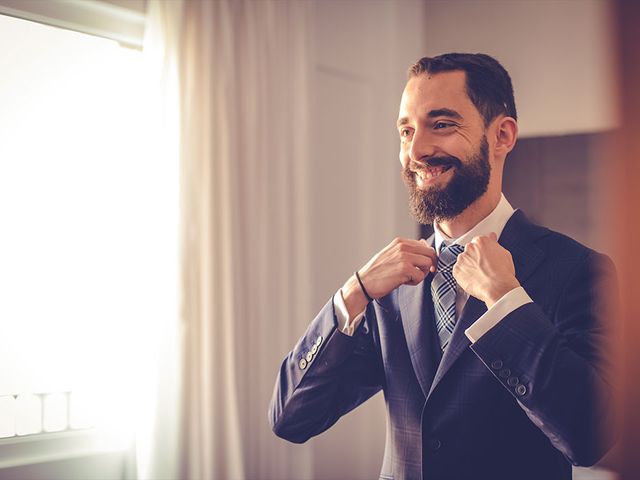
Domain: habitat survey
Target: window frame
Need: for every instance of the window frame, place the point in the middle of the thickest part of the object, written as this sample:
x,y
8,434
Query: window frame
x,y
94,17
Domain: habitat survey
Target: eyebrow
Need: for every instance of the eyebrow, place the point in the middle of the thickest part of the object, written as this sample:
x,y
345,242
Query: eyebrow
x,y
438,112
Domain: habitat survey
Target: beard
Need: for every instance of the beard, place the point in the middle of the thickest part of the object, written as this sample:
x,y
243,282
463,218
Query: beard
x,y
469,182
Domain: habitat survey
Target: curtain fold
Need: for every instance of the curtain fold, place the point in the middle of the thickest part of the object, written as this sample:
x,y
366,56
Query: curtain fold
x,y
244,71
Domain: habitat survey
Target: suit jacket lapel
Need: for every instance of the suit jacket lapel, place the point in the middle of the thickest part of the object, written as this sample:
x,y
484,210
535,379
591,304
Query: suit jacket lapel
x,y
416,311
517,237
459,342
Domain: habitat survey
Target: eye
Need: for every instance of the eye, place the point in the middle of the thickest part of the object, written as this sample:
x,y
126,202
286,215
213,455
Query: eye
x,y
405,132
442,125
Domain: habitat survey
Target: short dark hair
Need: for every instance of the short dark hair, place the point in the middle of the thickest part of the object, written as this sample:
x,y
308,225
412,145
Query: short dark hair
x,y
488,83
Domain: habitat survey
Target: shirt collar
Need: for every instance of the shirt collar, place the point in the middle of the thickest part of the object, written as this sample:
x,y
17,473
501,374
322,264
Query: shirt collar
x,y
494,222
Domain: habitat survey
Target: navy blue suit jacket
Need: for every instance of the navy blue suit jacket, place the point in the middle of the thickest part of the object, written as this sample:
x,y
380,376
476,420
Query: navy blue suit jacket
x,y
527,400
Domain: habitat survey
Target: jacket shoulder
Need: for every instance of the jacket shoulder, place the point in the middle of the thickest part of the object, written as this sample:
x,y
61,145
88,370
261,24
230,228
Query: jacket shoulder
x,y
557,246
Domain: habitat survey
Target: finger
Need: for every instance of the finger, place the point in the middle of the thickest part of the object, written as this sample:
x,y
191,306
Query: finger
x,y
478,244
430,252
493,236
420,247
421,262
477,240
414,276
471,250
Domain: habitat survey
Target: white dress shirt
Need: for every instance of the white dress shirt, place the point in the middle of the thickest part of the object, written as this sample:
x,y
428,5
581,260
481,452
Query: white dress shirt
x,y
494,222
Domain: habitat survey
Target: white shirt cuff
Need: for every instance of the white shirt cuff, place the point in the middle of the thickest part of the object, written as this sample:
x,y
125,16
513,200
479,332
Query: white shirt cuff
x,y
503,307
345,324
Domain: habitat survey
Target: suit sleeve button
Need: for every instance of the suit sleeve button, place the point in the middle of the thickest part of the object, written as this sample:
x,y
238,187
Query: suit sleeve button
x,y
303,363
309,356
521,390
314,348
496,364
504,373
513,381
435,444
319,340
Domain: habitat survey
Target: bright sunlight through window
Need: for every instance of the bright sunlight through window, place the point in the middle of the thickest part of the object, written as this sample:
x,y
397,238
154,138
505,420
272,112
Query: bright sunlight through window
x,y
88,253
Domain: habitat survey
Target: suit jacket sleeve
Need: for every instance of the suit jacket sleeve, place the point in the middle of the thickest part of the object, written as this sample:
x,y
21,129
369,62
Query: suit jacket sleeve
x,y
551,360
310,396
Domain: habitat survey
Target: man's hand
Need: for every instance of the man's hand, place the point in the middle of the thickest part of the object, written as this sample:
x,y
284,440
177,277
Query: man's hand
x,y
402,262
485,270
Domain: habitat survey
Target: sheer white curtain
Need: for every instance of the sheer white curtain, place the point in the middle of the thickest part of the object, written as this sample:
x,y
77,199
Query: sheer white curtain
x,y
244,71
158,404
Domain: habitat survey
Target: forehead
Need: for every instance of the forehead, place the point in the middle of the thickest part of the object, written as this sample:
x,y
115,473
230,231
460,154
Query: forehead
x,y
426,92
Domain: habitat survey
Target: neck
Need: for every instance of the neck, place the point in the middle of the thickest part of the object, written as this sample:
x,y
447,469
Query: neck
x,y
471,216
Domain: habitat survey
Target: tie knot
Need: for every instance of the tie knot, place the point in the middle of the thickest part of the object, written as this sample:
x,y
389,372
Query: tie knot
x,y
448,256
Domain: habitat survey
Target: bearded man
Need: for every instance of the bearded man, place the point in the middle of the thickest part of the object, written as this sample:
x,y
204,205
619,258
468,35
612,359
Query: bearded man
x,y
486,338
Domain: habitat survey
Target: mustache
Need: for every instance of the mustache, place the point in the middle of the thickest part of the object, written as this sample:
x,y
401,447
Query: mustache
x,y
436,162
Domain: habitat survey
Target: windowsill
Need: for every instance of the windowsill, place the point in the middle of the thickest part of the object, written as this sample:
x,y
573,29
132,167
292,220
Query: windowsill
x,y
47,447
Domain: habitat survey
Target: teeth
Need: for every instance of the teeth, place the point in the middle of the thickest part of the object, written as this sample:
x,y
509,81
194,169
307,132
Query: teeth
x,y
430,172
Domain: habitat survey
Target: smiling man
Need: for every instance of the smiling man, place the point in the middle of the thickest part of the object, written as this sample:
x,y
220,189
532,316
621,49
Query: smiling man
x,y
486,338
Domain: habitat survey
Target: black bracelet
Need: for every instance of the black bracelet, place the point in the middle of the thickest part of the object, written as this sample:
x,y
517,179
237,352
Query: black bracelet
x,y
364,290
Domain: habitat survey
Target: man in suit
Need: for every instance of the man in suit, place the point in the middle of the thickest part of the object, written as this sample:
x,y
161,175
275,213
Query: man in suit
x,y
486,338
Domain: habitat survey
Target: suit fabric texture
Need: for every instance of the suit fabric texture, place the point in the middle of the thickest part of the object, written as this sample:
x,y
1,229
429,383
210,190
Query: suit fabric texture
x,y
526,401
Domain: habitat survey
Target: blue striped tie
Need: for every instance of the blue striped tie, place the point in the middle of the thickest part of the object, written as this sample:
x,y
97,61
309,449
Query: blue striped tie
x,y
443,292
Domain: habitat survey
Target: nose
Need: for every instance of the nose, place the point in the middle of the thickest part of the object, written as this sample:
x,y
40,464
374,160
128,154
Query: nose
x,y
421,147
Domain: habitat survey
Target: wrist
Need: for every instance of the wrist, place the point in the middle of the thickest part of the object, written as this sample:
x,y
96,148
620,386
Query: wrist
x,y
353,296
500,292
363,288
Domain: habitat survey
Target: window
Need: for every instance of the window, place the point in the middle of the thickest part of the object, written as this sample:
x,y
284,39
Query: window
x,y
88,215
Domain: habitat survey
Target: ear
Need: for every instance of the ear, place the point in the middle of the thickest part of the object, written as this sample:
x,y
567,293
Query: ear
x,y
506,135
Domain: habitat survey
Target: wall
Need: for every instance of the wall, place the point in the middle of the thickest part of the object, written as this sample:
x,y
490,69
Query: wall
x,y
559,55
555,181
